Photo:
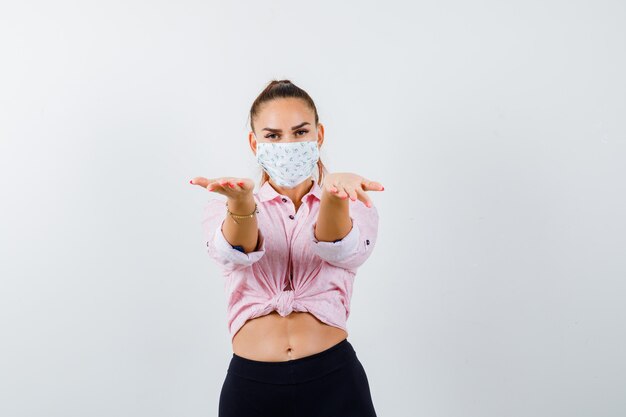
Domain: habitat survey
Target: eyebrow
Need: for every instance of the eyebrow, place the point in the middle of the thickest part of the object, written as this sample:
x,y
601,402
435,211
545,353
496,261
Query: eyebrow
x,y
280,130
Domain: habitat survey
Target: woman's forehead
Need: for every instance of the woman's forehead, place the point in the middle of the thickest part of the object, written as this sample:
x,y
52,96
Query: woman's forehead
x,y
285,111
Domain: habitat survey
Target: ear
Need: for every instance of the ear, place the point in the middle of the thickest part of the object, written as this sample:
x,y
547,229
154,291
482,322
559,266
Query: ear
x,y
320,134
252,141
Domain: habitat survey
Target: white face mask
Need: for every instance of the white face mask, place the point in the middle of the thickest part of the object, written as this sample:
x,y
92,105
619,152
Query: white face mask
x,y
288,163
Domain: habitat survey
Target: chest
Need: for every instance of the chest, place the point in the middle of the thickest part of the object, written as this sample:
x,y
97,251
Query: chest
x,y
287,229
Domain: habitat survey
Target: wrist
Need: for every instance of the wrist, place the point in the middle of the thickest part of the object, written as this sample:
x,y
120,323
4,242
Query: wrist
x,y
241,205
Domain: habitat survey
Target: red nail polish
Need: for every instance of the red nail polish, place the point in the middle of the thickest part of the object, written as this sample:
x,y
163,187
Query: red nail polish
x,y
383,189
190,181
240,184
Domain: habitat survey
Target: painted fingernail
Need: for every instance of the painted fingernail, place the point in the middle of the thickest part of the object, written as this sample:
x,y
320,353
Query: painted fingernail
x,y
240,184
383,189
190,181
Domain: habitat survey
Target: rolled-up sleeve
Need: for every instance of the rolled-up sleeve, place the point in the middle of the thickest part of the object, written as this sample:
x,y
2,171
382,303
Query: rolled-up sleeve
x,y
354,249
226,255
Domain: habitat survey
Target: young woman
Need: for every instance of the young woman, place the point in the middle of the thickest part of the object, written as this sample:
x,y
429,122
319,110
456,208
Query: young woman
x,y
289,254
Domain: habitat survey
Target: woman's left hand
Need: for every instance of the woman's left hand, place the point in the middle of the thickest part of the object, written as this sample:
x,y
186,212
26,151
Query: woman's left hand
x,y
345,184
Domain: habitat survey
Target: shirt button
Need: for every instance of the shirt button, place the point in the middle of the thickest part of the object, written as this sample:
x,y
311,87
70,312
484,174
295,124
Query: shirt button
x,y
284,200
291,216
367,241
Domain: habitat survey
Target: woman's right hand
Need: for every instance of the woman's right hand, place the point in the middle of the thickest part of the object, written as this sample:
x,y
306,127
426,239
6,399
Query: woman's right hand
x,y
231,187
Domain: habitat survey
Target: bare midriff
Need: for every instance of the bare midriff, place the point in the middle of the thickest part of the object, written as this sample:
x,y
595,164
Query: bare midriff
x,y
274,338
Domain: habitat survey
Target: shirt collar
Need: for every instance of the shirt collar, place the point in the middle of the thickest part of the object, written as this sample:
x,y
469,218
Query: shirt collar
x,y
267,192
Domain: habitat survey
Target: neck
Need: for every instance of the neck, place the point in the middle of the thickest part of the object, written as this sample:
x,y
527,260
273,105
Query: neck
x,y
296,193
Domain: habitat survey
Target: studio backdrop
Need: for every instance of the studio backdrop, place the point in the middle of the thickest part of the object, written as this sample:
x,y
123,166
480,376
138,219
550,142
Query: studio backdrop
x,y
497,284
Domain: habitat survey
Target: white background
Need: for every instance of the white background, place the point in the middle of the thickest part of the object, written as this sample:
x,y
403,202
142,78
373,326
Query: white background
x,y
497,128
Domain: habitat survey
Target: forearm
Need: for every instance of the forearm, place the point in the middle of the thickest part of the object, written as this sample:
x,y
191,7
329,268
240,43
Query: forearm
x,y
245,233
333,220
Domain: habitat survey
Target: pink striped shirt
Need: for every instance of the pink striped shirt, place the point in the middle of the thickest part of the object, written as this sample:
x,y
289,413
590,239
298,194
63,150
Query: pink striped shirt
x,y
290,270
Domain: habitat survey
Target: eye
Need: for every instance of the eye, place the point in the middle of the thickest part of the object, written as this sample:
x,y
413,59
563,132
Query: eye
x,y
271,134
303,130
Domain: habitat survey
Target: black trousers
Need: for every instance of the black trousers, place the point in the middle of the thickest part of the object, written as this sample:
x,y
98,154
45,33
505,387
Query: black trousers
x,y
331,383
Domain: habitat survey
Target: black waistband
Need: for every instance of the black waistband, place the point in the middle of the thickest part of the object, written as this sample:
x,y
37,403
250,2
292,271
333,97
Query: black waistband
x,y
295,370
